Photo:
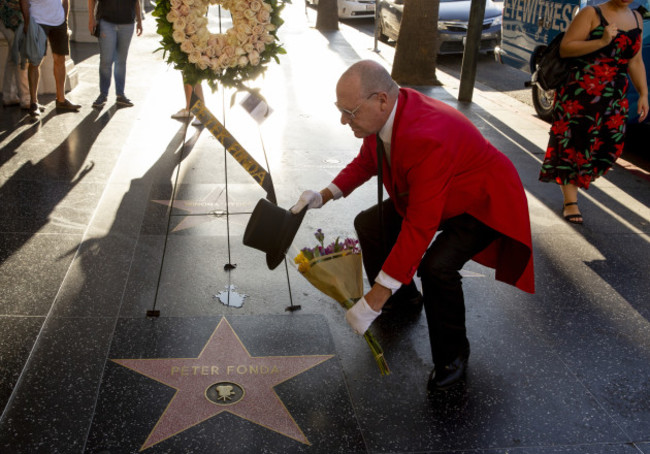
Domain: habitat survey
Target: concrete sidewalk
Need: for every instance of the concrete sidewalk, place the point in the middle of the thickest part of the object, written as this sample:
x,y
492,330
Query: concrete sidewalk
x,y
110,214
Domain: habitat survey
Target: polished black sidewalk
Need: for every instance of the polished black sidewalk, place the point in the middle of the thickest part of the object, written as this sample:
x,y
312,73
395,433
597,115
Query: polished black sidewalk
x,y
109,214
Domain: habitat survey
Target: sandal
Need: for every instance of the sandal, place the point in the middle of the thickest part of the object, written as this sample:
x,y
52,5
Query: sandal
x,y
572,218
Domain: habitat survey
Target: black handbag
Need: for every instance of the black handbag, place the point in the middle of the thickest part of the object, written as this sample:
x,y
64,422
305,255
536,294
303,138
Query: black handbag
x,y
552,70
96,29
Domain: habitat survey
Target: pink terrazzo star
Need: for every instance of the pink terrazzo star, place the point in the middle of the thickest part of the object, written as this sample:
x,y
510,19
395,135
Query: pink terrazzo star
x,y
224,377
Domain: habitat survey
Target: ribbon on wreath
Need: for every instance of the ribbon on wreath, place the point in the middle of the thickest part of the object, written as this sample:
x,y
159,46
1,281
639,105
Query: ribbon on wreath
x,y
250,165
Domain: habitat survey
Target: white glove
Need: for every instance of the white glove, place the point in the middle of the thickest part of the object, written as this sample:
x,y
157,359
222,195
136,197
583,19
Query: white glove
x,y
309,199
360,316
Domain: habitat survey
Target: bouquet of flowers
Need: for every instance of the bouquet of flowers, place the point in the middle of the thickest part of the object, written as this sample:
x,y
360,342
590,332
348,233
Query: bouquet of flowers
x,y
336,270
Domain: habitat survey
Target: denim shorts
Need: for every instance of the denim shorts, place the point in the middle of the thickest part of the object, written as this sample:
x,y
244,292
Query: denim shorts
x,y
58,37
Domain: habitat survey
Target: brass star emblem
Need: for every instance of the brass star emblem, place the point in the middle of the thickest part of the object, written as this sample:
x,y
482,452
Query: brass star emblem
x,y
199,211
224,378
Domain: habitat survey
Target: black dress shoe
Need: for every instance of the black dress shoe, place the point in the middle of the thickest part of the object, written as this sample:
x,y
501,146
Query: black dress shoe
x,y
445,377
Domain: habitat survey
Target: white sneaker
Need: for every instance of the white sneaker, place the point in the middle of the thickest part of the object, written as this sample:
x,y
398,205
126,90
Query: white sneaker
x,y
197,122
182,114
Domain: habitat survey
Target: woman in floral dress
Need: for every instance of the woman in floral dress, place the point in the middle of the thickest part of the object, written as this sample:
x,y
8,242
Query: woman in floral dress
x,y
591,110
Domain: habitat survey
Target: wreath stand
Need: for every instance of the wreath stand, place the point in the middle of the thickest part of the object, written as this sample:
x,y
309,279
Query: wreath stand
x,y
250,107
229,266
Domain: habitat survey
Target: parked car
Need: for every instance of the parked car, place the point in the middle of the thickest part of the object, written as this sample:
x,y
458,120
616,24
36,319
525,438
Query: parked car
x,y
352,9
528,26
453,18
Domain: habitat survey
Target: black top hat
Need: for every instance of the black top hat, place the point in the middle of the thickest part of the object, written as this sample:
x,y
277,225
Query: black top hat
x,y
271,229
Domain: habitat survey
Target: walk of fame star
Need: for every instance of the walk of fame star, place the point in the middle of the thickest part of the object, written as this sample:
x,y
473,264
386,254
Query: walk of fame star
x,y
198,211
224,377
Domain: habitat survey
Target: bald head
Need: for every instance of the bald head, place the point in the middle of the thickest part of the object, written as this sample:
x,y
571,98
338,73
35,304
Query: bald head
x,y
366,96
369,77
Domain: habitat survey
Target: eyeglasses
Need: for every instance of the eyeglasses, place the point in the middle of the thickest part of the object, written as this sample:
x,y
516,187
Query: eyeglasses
x,y
352,113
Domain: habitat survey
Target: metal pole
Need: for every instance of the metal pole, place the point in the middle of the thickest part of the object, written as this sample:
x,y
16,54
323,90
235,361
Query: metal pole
x,y
472,46
376,49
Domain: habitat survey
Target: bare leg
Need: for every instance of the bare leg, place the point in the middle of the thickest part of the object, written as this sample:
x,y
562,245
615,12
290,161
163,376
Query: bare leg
x,y
198,89
188,93
33,74
59,76
570,193
184,114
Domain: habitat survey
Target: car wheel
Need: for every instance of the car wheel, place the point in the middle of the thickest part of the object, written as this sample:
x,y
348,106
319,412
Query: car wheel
x,y
543,102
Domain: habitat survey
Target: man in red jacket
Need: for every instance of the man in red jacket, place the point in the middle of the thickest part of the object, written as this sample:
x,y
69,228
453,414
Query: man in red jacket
x,y
441,175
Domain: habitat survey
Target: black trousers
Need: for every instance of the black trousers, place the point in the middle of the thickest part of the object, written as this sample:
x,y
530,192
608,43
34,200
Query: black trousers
x,y
459,239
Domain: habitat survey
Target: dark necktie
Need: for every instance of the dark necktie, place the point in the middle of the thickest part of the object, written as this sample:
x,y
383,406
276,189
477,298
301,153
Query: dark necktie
x,y
380,189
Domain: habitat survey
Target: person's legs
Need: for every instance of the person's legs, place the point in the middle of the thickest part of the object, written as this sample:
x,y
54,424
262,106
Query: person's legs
x,y
461,238
107,51
9,86
17,87
188,95
33,74
375,252
59,76
198,90
185,113
570,209
124,33
22,82
369,232
60,43
58,37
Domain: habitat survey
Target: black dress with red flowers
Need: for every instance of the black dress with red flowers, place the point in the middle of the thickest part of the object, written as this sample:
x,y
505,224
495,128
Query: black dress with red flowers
x,y
590,112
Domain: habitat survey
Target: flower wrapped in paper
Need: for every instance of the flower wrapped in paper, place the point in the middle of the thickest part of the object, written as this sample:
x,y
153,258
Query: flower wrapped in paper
x,y
337,271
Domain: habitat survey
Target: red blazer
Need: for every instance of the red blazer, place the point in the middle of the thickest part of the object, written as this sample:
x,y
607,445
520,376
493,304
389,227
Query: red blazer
x,y
440,167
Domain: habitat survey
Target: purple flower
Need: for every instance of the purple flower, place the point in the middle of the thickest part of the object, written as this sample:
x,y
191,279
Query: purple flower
x,y
346,246
320,236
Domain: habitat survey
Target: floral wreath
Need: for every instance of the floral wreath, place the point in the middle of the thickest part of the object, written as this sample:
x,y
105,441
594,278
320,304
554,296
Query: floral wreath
x,y
233,57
